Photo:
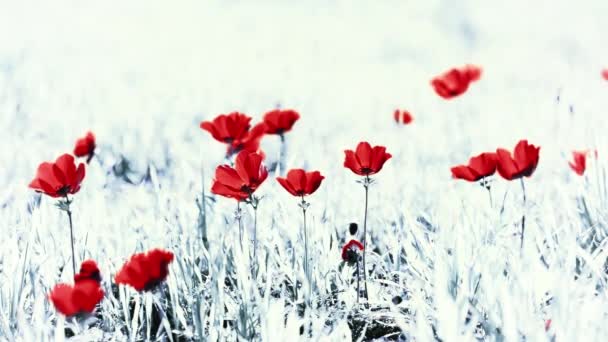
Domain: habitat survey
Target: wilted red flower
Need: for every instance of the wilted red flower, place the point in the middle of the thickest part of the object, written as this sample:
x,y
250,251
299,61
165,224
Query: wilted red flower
x,y
279,121
455,81
242,180
605,74
579,162
301,183
366,161
480,166
60,178
85,147
403,116
523,163
350,251
227,128
88,271
145,271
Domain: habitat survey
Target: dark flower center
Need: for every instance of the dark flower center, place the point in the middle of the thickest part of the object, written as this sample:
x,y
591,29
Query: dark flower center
x,y
366,170
64,190
351,255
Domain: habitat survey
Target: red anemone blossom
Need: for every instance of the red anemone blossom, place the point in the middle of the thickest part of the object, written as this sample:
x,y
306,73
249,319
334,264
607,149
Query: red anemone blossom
x,y
522,163
579,162
605,74
403,116
60,178
83,296
365,160
145,271
279,121
456,81
88,271
227,128
350,251
85,147
249,142
242,180
479,167
301,183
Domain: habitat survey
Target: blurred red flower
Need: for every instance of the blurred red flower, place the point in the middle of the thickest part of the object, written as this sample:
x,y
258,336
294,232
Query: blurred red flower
x,y
403,117
579,162
88,271
301,183
523,163
145,271
605,74
365,160
480,166
455,81
228,127
60,178
279,121
242,180
249,142
83,296
85,147
350,251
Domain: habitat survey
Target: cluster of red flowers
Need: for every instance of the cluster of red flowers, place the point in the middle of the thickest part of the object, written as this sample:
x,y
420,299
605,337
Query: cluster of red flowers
x,y
143,272
521,163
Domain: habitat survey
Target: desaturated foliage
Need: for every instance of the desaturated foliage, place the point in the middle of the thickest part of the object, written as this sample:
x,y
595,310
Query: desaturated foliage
x,y
272,172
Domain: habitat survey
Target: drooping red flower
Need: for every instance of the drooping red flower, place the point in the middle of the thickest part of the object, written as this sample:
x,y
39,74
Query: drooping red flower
x,y
403,116
579,162
88,271
365,160
605,74
522,163
249,142
301,183
279,121
80,298
242,180
350,251
227,128
455,81
85,147
60,178
145,271
480,166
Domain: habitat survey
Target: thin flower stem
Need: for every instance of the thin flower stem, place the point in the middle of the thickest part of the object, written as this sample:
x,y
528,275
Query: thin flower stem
x,y
366,186
490,195
358,281
523,217
282,153
238,217
255,234
69,212
305,265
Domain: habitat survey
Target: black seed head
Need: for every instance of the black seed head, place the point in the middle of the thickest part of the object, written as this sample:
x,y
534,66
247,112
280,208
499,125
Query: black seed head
x,y
352,228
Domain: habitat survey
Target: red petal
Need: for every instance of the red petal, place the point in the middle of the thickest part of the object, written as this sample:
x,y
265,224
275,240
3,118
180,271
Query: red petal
x,y
363,154
351,162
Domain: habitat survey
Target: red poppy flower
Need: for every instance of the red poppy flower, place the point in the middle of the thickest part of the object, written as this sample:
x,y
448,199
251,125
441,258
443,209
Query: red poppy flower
x,y
455,81
249,142
242,180
85,147
228,128
60,178
280,121
301,183
403,116
480,166
605,74
366,161
523,163
145,271
350,251
80,298
579,162
88,271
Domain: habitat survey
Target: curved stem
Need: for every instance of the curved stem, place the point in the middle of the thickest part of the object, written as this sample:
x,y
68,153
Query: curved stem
x,y
366,186
69,212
